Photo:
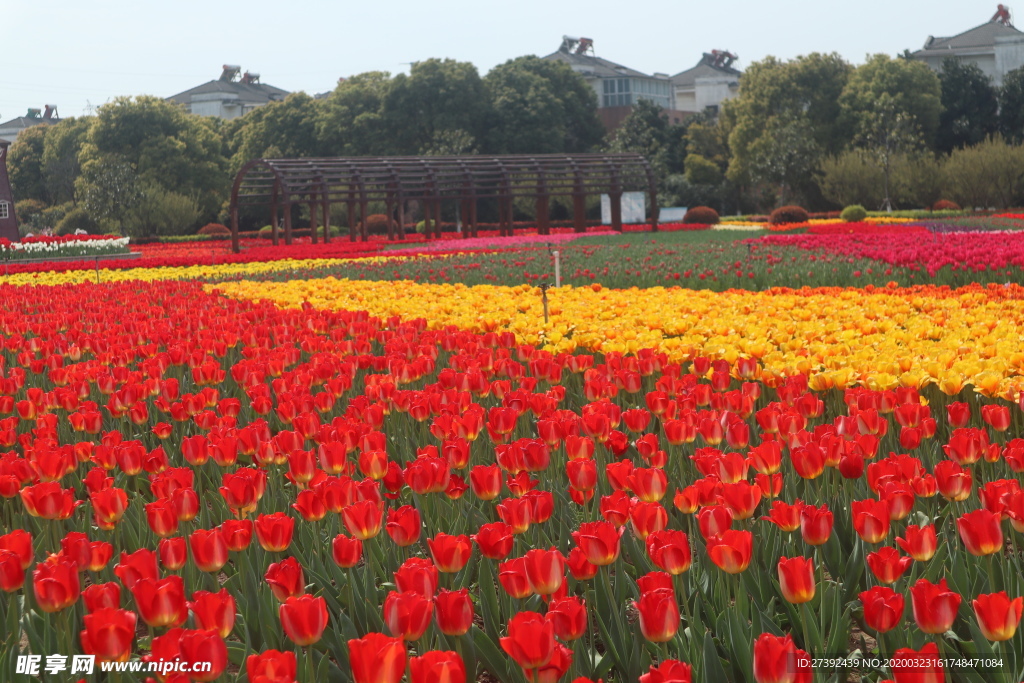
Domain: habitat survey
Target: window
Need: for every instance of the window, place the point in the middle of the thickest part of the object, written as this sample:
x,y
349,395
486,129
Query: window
x,y
4,210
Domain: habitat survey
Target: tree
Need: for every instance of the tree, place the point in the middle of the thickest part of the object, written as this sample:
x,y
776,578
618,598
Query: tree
x,y
806,88
164,145
785,155
969,106
61,167
25,164
161,212
643,132
540,107
350,122
988,174
288,128
909,87
886,132
110,188
437,95
1011,106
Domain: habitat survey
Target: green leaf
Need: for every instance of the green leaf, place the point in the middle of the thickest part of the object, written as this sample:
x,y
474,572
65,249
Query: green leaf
x,y
713,671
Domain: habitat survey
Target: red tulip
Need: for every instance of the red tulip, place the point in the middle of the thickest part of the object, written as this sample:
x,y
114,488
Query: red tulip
x,y
569,617
815,524
514,579
998,616
346,551
363,519
453,611
108,507
784,515
138,565
108,634
407,614
214,611
450,553
237,533
958,414
953,481
545,570
775,659
796,579
981,532
173,553
437,667
996,416
670,550
599,542
485,481
935,605
403,525
417,574
887,565
304,619
741,498
579,566
55,584
557,666
377,658
209,549
646,518
919,542
49,501
883,608
517,513
668,671
274,531
530,641
871,519
161,603
271,666
12,575
918,666
731,550
582,474
659,615
19,541
286,579
494,540
207,647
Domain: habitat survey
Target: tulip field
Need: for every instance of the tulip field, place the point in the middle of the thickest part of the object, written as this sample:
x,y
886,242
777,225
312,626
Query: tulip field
x,y
718,456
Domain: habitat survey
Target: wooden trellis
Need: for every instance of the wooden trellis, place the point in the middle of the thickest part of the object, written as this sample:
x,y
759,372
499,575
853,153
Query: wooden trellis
x,y
356,181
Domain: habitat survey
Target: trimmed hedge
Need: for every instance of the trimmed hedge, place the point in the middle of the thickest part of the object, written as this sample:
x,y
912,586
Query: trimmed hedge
x,y
787,215
701,215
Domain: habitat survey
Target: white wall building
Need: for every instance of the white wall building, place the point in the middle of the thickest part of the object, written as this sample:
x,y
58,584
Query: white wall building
x,y
234,94
712,81
995,47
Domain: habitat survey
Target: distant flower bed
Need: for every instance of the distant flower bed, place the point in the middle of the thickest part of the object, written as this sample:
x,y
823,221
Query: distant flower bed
x,y
61,247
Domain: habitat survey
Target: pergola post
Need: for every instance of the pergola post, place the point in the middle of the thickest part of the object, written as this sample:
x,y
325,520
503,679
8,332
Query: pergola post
x,y
543,215
288,222
312,217
616,201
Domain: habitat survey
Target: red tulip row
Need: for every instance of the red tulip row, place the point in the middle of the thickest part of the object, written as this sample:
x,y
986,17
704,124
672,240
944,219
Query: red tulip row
x,y
545,517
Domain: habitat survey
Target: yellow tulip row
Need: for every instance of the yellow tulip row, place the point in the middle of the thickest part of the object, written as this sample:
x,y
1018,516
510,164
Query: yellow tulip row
x,y
880,338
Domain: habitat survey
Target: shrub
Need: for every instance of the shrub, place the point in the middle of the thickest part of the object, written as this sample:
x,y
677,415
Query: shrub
x,y
854,213
945,205
788,214
77,219
701,215
377,223
267,230
214,229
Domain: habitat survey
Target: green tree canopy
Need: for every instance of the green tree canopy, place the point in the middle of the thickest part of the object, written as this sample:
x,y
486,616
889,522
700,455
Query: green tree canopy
x,y
1011,106
911,88
25,164
163,145
437,95
540,107
61,167
289,128
350,121
969,106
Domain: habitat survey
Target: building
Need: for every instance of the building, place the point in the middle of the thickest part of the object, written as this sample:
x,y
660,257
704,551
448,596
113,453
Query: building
x,y
8,221
232,95
705,86
618,87
996,47
9,130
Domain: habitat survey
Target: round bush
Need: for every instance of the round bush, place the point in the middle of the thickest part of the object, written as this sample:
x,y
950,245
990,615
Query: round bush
x,y
701,215
266,231
377,223
854,213
788,214
214,229
945,205
75,220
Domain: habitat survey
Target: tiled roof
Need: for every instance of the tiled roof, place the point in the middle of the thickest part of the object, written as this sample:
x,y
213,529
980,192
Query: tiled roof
x,y
703,69
588,65
254,93
979,37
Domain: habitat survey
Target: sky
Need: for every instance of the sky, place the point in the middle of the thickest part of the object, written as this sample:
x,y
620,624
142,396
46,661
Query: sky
x,y
79,55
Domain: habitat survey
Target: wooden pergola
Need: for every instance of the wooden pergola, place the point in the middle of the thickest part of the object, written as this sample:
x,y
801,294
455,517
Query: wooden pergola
x,y
357,181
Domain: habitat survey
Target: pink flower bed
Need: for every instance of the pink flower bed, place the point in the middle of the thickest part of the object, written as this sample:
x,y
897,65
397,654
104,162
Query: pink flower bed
x,y
454,243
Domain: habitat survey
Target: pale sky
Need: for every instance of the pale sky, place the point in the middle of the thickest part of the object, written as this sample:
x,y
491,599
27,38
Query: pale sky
x,y
73,54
